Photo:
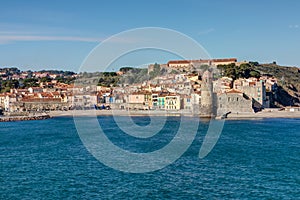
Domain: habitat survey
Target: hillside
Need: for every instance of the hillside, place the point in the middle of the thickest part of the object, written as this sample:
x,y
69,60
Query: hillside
x,y
288,90
288,81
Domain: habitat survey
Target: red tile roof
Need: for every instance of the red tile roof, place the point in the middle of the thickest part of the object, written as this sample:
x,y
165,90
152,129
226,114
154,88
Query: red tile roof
x,y
202,61
234,91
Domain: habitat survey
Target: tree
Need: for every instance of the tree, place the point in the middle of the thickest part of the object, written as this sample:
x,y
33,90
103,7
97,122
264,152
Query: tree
x,y
30,82
45,79
156,67
253,63
255,74
221,69
244,70
163,71
155,72
125,69
174,71
231,72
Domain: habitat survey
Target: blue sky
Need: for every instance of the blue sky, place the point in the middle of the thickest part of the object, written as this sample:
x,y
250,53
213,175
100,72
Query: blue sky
x,y
60,34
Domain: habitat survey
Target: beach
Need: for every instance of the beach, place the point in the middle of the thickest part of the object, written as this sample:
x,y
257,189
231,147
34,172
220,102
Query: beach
x,y
258,115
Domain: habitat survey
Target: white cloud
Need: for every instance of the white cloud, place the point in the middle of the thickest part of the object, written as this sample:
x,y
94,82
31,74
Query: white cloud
x,y
12,33
5,39
17,38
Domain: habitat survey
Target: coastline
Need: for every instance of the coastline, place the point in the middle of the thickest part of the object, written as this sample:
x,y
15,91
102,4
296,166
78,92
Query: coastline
x,y
91,113
232,116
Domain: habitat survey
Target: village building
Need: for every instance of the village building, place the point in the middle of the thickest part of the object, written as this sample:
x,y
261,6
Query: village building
x,y
35,89
195,102
186,103
154,98
161,101
188,65
84,101
222,84
233,101
255,89
172,102
139,100
47,104
10,103
2,98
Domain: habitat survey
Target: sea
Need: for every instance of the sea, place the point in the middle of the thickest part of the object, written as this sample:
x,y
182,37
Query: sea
x,y
252,159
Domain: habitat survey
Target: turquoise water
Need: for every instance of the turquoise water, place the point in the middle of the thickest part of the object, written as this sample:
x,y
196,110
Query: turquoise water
x,y
257,159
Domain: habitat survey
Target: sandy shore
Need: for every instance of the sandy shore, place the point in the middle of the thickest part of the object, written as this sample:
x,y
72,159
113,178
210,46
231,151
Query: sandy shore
x,y
274,114
279,114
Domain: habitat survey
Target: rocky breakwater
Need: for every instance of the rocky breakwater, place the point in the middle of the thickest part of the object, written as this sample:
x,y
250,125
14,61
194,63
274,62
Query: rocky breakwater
x,y
23,118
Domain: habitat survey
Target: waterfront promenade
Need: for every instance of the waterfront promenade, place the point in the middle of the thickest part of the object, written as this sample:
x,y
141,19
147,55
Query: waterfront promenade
x,y
273,114
82,113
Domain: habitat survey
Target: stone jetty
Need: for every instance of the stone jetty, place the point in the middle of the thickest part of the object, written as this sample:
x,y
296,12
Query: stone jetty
x,y
23,118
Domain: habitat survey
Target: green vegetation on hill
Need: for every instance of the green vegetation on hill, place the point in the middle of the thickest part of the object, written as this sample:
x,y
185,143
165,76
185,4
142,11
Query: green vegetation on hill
x,y
67,80
155,72
288,77
125,69
107,79
30,82
111,79
61,72
135,75
6,85
243,71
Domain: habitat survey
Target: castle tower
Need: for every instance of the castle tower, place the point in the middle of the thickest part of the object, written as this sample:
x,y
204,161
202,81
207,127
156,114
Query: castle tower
x,y
206,94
